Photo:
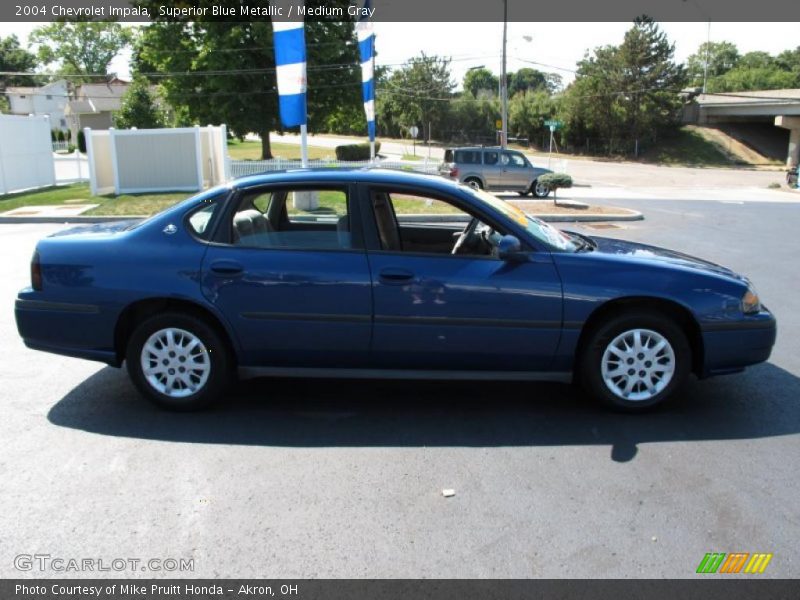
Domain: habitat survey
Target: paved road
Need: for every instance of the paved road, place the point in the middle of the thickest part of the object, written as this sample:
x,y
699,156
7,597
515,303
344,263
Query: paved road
x,y
344,479
615,174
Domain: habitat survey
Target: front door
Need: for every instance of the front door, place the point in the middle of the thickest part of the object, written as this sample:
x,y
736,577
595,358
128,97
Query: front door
x,y
516,173
466,311
291,279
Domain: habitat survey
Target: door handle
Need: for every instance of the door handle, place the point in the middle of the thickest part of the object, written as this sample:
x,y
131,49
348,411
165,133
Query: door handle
x,y
227,267
391,275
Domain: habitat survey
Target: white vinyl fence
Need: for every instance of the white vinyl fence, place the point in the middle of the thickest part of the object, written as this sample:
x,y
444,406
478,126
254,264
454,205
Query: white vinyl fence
x,y
71,168
26,156
130,161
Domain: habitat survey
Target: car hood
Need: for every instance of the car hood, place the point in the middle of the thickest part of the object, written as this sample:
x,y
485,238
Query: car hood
x,y
648,253
104,228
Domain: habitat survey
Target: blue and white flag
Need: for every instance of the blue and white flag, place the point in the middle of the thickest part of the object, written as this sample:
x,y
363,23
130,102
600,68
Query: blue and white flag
x,y
366,49
290,63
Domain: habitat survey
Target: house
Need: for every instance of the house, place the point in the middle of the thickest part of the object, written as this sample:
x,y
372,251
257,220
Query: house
x,y
50,100
94,104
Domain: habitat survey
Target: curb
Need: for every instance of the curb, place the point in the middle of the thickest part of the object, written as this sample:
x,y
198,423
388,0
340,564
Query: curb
x,y
550,218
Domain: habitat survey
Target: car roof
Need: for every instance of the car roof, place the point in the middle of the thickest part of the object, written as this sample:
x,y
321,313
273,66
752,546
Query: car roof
x,y
347,175
491,148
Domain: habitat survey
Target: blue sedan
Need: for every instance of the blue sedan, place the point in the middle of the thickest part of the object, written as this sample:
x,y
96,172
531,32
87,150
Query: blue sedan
x,y
374,273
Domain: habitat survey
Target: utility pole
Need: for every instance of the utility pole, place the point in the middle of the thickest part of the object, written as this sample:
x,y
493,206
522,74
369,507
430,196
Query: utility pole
x,y
708,51
504,82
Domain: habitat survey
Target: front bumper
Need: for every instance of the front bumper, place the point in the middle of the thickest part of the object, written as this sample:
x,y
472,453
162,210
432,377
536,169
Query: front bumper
x,y
730,346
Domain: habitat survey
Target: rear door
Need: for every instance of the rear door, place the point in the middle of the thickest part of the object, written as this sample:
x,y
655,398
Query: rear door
x,y
492,169
292,278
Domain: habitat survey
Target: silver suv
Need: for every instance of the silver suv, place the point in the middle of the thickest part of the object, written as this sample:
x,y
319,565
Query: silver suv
x,y
492,168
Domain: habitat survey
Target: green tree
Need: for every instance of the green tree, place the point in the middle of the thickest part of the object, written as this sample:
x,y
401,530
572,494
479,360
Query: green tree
x,y
789,60
418,93
139,108
80,47
470,118
722,57
650,79
527,112
761,78
17,59
627,92
527,79
481,79
227,72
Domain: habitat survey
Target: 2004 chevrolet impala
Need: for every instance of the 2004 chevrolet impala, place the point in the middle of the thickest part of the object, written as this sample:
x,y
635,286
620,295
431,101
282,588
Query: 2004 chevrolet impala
x,y
373,273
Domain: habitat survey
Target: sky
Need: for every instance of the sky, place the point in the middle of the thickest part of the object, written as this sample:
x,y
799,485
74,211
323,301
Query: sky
x,y
558,45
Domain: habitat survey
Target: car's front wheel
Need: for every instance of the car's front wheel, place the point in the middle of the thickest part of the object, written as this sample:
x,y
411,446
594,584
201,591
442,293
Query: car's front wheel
x,y
539,190
178,361
635,361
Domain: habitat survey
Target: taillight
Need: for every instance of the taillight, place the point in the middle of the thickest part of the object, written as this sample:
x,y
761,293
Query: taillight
x,y
36,273
454,172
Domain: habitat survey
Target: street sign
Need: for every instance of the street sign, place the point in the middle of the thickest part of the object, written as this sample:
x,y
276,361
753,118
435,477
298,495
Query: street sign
x,y
498,123
414,131
553,124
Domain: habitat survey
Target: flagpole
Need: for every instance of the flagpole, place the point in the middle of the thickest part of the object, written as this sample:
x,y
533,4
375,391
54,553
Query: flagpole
x,y
304,145
372,141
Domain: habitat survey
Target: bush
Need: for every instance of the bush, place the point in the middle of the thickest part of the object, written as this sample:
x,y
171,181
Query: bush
x,y
53,135
555,181
355,151
81,141
60,136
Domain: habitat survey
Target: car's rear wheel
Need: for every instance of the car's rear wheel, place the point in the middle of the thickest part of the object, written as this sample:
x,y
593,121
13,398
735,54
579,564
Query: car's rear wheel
x,y
474,183
635,361
178,361
539,190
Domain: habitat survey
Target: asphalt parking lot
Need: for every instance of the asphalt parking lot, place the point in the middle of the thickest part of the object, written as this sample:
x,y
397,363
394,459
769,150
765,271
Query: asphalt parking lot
x,y
343,479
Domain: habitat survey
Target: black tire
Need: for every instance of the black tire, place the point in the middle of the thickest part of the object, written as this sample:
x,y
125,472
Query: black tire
x,y
589,368
474,182
525,193
212,349
542,192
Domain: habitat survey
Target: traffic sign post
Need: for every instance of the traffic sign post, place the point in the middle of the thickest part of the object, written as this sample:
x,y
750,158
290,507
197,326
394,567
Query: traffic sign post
x,y
552,125
414,131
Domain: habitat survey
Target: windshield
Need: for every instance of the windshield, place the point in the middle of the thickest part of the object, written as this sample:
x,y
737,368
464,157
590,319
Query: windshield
x,y
544,232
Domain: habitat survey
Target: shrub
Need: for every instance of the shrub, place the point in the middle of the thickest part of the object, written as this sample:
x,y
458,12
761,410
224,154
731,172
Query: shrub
x,y
81,141
53,135
555,181
60,136
355,151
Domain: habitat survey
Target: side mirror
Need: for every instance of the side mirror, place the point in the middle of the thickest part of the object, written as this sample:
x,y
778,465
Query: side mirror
x,y
509,248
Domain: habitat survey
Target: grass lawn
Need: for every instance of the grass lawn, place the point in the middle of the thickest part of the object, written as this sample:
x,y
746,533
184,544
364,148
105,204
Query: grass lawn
x,y
249,150
687,147
411,157
126,204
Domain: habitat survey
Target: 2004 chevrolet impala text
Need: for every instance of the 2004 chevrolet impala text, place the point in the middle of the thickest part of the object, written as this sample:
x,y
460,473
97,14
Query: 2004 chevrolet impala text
x,y
372,273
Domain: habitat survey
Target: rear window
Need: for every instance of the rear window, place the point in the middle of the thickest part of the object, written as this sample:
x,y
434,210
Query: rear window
x,y
468,157
448,155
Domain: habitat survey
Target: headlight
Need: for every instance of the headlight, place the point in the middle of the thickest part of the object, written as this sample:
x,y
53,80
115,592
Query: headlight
x,y
750,302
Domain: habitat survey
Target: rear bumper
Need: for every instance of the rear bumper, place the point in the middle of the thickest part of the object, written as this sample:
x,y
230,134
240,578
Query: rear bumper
x,y
731,346
70,329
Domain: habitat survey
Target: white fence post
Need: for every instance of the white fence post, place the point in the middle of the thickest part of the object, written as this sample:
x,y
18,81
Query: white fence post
x,y
114,166
87,138
198,149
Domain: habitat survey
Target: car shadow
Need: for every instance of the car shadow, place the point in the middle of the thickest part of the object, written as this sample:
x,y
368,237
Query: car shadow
x,y
314,413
